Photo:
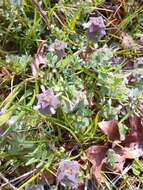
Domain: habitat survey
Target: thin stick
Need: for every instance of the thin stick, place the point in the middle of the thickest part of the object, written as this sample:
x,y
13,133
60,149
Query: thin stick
x,y
20,178
7,181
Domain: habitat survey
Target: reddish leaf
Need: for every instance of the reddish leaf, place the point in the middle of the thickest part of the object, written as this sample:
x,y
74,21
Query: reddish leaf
x,y
134,140
130,148
130,79
135,124
134,151
46,177
81,186
119,163
110,128
136,130
38,59
133,144
96,155
4,73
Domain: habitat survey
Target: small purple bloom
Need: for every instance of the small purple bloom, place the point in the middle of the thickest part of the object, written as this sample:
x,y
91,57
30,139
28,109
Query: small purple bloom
x,y
58,47
141,38
117,60
67,173
34,187
95,28
112,7
47,102
140,61
2,111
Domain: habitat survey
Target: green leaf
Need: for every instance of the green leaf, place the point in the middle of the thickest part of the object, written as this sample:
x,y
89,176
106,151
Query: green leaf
x,y
122,130
137,167
111,158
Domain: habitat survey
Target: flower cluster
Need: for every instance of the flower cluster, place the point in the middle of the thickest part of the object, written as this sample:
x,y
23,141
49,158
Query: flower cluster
x,y
95,28
58,48
67,173
47,102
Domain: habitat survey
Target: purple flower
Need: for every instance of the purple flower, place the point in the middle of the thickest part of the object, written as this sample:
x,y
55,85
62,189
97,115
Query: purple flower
x,y
34,187
95,28
58,47
2,111
140,61
141,39
67,173
47,101
117,60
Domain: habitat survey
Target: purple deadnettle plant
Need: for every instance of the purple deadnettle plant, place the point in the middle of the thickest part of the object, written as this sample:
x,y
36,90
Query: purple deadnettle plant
x,y
58,48
95,28
47,102
67,173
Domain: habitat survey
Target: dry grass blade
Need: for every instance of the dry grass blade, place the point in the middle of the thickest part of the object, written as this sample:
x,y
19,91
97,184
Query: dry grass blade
x,y
43,14
7,181
38,59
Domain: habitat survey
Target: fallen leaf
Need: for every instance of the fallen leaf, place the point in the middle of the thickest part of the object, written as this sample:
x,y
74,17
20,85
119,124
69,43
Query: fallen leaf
x,y
110,129
4,73
96,155
38,59
134,140
46,177
130,79
130,148
86,53
136,130
134,151
120,159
